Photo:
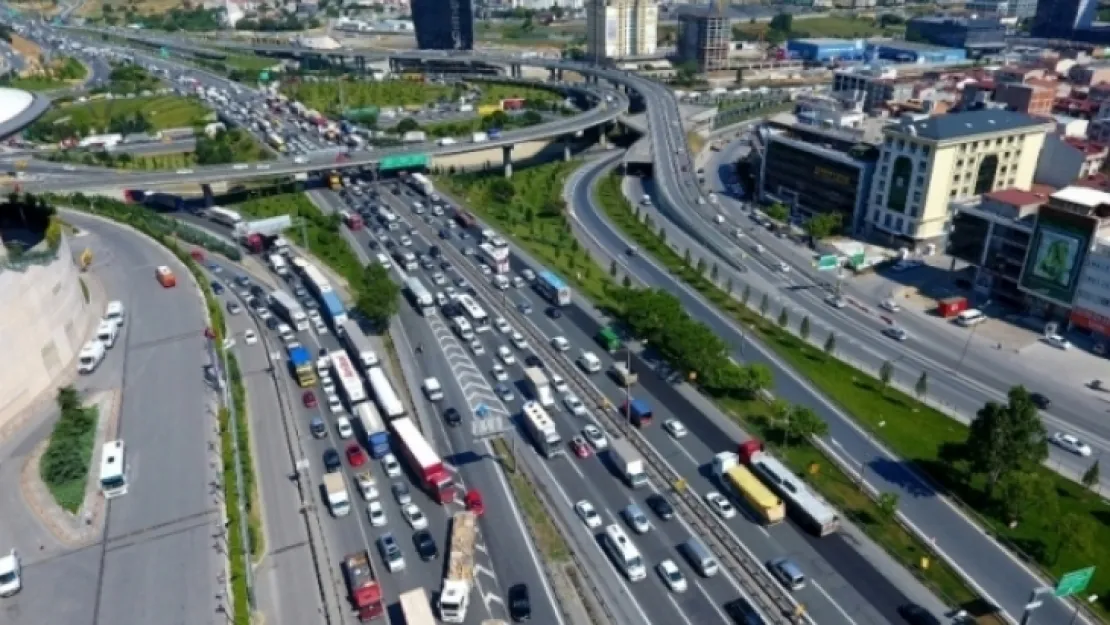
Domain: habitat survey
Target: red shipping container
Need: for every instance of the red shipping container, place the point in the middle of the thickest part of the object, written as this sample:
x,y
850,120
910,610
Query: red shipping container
x,y
952,306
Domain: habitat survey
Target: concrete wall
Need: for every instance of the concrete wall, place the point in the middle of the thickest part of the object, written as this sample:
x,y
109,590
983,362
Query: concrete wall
x,y
43,319
536,151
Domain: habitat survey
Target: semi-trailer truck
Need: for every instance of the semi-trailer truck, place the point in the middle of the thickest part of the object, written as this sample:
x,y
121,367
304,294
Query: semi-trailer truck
x,y
362,586
454,598
628,462
538,386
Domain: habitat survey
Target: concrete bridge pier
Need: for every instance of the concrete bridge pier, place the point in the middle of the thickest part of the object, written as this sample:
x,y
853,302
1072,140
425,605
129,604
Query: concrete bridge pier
x,y
567,141
507,158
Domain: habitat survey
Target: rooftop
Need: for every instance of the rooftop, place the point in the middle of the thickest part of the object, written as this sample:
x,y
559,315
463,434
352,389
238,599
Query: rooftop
x,y
902,44
1089,148
968,124
1083,196
829,41
1018,197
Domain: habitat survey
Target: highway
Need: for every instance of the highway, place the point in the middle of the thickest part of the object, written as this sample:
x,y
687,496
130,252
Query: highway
x,y
158,559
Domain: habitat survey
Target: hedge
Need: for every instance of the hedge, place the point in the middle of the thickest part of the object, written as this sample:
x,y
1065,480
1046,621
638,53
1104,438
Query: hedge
x,y
64,466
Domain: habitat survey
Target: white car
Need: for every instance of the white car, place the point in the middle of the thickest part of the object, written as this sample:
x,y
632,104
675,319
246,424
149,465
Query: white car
x,y
574,405
11,581
675,428
783,268
184,172
315,317
518,340
671,575
502,326
720,505
558,383
334,405
595,436
1057,341
405,241
414,517
322,365
560,344
506,355
1070,442
441,299
588,514
477,347
499,373
249,337
890,305
367,486
343,426
376,512
321,327
439,279
391,466
327,384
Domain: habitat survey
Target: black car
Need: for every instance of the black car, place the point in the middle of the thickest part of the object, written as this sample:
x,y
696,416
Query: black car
x,y
242,280
217,288
258,291
554,312
309,303
372,244
661,507
533,361
1040,400
520,605
452,417
332,462
433,251
425,545
300,292
917,615
446,266
742,613
444,233
272,323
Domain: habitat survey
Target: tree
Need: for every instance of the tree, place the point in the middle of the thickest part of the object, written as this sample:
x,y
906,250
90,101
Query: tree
x,y
1018,493
663,234
779,413
686,257
1091,476
407,124
1076,532
823,226
68,399
626,282
922,387
830,344
613,269
1006,439
804,423
746,295
378,296
728,285
886,372
888,505
713,271
701,266
784,317
755,378
783,22
764,305
803,329
501,191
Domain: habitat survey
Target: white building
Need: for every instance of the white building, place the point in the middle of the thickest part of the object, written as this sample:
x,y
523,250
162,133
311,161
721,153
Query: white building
x,y
617,29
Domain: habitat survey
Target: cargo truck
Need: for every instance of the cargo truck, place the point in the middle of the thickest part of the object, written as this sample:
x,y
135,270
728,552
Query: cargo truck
x,y
415,608
454,598
628,463
414,136
362,586
289,309
339,502
373,429
423,461
745,486
479,137
608,338
638,412
538,386
623,375
301,363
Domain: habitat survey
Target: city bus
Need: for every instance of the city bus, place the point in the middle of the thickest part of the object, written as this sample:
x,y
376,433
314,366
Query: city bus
x,y
224,216
552,288
807,508
496,257
478,317
113,470
624,554
542,429
388,401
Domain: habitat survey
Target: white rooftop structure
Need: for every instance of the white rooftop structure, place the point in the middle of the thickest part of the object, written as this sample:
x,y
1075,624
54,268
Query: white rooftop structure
x,y
13,102
1083,196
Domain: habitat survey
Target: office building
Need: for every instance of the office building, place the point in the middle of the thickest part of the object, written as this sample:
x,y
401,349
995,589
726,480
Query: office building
x,y
871,86
1067,159
1091,308
1059,19
976,36
914,52
815,168
1034,98
443,24
1018,9
926,164
822,50
618,29
704,37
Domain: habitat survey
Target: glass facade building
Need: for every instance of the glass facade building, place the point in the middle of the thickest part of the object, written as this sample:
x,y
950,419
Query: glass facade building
x,y
443,24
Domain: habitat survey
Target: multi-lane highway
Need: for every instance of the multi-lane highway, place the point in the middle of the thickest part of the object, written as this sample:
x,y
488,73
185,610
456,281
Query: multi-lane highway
x,y
159,557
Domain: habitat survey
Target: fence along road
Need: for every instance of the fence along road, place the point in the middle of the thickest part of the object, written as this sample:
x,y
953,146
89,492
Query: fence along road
x,y
766,594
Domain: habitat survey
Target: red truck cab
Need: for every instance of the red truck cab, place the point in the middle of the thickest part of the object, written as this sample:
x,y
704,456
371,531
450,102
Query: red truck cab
x,y
365,593
474,503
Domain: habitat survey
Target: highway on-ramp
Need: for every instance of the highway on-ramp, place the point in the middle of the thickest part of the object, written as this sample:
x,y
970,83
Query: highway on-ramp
x,y
160,558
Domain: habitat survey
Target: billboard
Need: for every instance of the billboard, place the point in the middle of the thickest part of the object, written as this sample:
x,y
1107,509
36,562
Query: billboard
x,y
1056,253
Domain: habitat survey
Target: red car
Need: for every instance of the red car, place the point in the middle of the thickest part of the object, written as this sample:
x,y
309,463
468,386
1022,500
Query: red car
x,y
355,456
474,503
309,399
579,447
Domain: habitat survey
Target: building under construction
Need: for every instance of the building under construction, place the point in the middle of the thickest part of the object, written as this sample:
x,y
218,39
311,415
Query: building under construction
x,y
704,34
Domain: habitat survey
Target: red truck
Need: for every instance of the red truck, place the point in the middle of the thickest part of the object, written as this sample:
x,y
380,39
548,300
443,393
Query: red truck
x,y
366,595
423,460
353,220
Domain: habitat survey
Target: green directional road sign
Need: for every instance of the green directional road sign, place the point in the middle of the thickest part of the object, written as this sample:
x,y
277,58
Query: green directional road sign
x,y
263,76
404,161
1074,582
856,260
164,53
828,262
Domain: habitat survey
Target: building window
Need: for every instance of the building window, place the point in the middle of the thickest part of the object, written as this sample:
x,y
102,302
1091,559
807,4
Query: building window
x,y
883,170
913,148
920,181
917,196
959,162
925,150
898,224
952,193
900,183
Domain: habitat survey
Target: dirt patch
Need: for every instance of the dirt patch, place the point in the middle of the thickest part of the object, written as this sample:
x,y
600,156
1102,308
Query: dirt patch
x,y
29,50
142,7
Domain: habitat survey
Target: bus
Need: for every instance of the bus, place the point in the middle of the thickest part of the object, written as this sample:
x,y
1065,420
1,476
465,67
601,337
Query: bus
x,y
388,401
542,429
275,141
807,508
224,216
113,470
416,608
624,554
478,317
496,257
758,498
349,382
553,288
313,277
421,298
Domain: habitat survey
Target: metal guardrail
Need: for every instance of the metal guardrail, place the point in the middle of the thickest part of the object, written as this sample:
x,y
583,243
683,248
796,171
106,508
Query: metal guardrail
x,y
730,552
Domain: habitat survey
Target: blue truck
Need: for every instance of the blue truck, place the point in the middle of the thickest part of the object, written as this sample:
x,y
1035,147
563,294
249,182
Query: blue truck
x,y
301,362
373,428
638,411
333,306
493,133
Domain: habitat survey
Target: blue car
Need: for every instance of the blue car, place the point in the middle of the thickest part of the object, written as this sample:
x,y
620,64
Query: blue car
x,y
217,288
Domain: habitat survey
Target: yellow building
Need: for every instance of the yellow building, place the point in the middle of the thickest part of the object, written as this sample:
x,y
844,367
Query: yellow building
x,y
925,164
617,29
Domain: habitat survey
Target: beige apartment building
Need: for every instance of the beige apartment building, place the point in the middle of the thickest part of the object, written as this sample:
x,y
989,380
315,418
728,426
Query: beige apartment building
x,y
926,164
618,29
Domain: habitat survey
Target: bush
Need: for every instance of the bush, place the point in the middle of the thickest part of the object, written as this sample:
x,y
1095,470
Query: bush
x,y
64,466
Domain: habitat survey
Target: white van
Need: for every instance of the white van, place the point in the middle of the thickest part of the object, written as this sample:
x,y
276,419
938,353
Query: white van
x,y
433,389
970,318
383,260
501,282
91,355
286,333
107,332
589,362
115,313
463,329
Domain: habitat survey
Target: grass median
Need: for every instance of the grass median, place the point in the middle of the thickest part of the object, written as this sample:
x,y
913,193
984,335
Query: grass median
x,y
65,464
334,96
546,536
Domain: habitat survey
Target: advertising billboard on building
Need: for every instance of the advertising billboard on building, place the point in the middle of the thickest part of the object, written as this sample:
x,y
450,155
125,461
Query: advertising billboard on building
x,y
1056,253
